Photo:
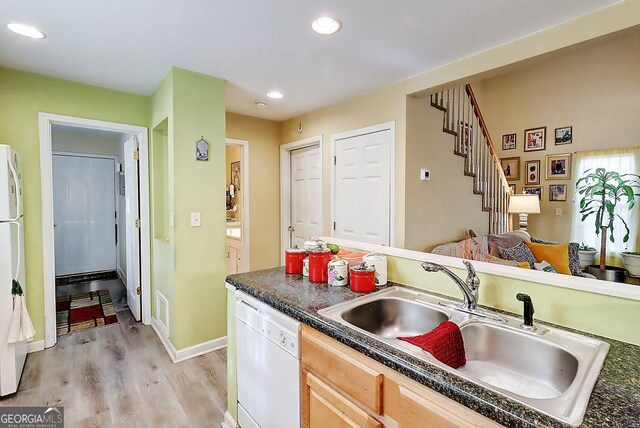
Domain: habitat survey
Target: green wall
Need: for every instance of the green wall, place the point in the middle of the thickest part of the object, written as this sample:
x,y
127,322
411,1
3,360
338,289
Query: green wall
x,y
23,96
189,263
607,316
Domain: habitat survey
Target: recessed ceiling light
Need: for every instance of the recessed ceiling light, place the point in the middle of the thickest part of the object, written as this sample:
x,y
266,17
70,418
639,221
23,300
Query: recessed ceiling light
x,y
26,30
275,95
326,25
260,104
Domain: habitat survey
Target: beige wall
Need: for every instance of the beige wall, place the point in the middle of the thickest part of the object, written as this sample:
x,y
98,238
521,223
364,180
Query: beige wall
x,y
389,103
444,208
594,88
264,193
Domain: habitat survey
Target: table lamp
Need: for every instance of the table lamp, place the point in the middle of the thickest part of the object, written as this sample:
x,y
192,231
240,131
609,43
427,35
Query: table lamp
x,y
524,205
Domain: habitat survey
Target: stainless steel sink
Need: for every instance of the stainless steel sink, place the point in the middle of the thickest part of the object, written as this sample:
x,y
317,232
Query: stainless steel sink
x,y
391,317
550,370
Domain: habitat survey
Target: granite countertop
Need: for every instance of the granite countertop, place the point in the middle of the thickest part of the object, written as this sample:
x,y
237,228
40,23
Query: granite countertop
x,y
615,401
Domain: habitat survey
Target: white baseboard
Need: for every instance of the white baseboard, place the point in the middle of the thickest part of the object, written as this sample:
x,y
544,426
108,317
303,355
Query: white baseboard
x,y
190,352
122,275
228,422
35,346
201,348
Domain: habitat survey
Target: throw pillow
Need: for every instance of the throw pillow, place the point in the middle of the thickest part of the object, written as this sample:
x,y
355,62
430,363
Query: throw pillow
x,y
544,266
557,255
574,255
506,240
519,253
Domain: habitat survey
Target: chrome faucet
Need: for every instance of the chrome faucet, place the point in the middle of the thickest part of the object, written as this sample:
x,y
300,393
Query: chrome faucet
x,y
469,287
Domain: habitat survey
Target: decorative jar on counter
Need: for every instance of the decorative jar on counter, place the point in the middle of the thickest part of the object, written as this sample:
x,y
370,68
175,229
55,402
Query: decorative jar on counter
x,y
305,267
362,278
379,262
338,272
293,259
319,258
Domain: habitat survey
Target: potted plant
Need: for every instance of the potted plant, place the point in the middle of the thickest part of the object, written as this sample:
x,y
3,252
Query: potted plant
x,y
631,260
601,191
587,255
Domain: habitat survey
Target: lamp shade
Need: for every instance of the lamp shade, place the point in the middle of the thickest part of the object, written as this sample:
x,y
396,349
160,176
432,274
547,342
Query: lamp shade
x,y
524,204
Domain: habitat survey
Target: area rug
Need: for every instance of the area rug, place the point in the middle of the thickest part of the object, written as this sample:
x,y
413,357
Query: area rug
x,y
84,311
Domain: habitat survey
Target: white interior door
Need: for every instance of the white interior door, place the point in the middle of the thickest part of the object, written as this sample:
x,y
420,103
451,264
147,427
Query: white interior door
x,y
84,208
362,188
132,213
306,195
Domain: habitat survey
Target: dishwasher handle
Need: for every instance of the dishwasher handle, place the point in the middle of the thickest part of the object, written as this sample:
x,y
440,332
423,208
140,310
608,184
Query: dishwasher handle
x,y
249,305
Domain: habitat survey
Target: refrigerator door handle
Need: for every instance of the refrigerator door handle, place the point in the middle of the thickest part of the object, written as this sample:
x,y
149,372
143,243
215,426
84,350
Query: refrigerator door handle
x,y
17,184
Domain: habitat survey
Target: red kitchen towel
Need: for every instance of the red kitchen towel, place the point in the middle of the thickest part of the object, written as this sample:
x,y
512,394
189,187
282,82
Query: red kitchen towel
x,y
443,342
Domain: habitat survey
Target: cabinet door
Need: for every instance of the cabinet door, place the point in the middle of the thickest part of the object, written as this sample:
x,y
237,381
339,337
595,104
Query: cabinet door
x,y
329,408
417,411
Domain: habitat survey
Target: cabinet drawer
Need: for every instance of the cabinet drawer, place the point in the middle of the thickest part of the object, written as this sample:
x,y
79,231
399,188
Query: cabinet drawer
x,y
336,363
328,407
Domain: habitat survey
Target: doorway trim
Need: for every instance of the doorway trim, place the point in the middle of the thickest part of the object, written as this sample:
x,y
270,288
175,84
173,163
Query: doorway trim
x,y
46,120
285,186
246,247
391,126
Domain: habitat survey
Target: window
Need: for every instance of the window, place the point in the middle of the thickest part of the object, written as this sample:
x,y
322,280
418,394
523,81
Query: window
x,y
624,161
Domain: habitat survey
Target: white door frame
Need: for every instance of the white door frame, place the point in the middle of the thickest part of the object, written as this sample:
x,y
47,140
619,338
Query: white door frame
x,y
246,248
116,183
46,120
285,187
392,159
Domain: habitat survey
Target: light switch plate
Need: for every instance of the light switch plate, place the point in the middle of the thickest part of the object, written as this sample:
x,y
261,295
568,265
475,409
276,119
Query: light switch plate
x,y
558,211
195,219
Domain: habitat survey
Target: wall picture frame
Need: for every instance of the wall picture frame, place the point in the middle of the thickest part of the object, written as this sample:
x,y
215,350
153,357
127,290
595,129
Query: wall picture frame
x,y
235,175
535,139
557,192
512,186
532,172
202,150
511,168
564,135
558,167
536,190
509,141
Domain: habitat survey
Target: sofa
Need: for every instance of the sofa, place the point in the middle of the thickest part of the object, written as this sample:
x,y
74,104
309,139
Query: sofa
x,y
518,249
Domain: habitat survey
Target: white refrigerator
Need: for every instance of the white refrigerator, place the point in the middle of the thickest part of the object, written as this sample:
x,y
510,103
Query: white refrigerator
x,y
12,355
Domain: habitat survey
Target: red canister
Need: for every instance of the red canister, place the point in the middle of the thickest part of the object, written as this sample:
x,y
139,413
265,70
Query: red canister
x,y
293,258
362,278
319,258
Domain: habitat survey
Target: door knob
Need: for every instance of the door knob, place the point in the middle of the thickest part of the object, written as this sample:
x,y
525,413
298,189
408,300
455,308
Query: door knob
x,y
292,229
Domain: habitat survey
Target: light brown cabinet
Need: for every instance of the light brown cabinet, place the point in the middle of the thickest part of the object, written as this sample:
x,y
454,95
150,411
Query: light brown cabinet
x,y
343,388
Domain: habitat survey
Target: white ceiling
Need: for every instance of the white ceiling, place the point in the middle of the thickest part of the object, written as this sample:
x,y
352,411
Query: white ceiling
x,y
260,45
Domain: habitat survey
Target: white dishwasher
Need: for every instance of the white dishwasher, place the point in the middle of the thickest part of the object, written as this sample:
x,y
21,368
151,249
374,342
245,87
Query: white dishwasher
x,y
268,369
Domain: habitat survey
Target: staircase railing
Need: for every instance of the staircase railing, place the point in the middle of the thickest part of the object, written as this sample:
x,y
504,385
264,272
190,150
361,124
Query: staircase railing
x,y
463,120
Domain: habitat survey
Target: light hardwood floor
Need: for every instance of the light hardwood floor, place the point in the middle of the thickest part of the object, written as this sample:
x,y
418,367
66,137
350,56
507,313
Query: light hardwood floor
x,y
120,375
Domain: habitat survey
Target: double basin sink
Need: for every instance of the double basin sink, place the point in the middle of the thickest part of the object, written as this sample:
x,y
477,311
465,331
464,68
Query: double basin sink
x,y
550,370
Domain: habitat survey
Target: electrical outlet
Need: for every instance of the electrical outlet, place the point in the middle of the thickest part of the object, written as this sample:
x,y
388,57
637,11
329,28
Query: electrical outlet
x,y
425,174
195,219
